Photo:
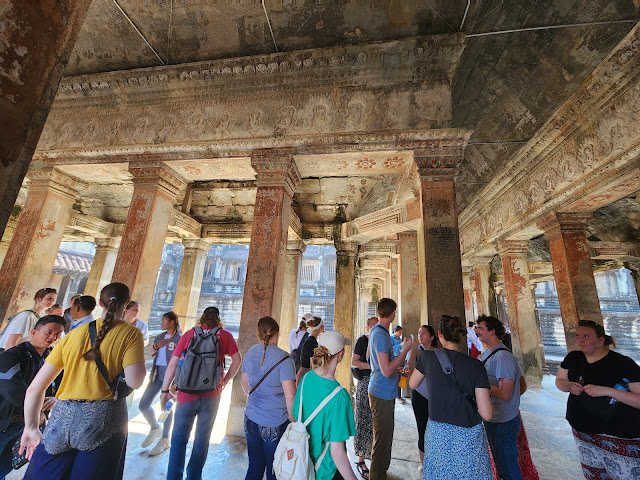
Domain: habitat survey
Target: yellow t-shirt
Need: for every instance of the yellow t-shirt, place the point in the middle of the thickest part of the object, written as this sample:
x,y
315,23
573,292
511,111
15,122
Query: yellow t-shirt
x,y
122,346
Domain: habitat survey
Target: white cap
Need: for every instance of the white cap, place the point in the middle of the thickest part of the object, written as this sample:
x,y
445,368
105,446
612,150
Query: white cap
x,y
306,317
333,341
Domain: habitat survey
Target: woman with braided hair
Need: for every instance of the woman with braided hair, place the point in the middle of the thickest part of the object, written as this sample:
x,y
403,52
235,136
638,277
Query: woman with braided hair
x,y
268,377
86,436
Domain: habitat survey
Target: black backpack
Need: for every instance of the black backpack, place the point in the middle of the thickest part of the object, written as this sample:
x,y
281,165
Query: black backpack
x,y
296,355
199,369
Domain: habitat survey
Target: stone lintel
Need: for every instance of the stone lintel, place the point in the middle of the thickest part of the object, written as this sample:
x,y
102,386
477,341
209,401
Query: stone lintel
x,y
384,222
480,261
227,232
614,250
91,224
108,243
183,225
540,268
513,247
275,167
296,247
295,227
565,222
54,180
155,174
379,248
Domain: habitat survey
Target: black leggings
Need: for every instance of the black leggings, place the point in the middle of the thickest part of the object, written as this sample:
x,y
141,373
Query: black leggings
x,y
421,412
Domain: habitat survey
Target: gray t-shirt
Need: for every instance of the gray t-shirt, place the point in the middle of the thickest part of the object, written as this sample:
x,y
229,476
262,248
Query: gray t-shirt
x,y
267,405
504,365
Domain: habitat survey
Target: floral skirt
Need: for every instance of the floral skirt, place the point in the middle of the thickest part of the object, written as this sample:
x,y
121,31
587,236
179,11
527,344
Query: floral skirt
x,y
364,422
454,453
604,457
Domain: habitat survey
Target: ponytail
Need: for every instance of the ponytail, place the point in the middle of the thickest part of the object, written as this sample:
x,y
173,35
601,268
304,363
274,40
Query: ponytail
x,y
267,329
114,297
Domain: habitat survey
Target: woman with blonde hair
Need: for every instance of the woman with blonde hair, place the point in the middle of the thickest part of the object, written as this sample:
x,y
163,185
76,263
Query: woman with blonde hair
x,y
315,327
334,424
268,378
86,436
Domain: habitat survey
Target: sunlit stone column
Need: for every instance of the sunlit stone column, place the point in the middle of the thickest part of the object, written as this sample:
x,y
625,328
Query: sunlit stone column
x,y
468,301
572,270
437,167
36,239
190,281
102,265
409,282
277,176
344,314
634,268
522,317
289,318
155,189
485,293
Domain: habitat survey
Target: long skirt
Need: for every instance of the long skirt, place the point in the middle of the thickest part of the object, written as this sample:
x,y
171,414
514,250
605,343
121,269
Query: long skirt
x,y
527,468
604,457
364,421
454,453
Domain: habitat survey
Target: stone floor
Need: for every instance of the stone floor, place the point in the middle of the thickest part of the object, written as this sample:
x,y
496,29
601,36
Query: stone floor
x,y
550,439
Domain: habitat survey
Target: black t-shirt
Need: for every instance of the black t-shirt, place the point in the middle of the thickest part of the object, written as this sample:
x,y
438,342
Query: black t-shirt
x,y
446,402
596,415
360,348
307,351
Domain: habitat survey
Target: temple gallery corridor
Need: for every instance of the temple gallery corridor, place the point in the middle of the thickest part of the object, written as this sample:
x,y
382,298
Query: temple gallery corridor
x,y
552,447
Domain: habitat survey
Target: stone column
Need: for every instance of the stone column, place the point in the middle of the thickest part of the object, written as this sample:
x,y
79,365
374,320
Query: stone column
x,y
522,317
156,187
344,314
572,270
289,317
634,268
468,301
437,167
395,281
190,281
410,282
36,239
485,293
102,266
277,176
37,39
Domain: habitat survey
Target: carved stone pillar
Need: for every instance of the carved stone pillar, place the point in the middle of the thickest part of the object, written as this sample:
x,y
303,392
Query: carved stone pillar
x,y
277,176
572,270
5,239
155,190
468,301
289,317
634,268
102,266
38,37
36,239
190,281
485,293
437,167
522,317
409,282
344,314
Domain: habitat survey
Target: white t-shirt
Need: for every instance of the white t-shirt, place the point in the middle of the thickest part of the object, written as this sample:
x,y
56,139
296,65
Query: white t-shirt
x,y
294,339
21,324
161,360
140,325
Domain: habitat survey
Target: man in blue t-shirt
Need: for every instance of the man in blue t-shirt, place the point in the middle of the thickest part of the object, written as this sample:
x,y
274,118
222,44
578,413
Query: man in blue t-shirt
x,y
383,386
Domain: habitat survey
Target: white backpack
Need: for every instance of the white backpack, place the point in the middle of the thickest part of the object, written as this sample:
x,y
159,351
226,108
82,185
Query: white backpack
x,y
291,460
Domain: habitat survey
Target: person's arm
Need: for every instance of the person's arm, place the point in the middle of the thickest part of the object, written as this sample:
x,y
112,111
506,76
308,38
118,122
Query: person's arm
x,y
523,384
31,436
415,379
12,340
340,458
289,387
485,408
503,390
169,374
387,367
244,381
12,384
631,398
563,383
236,361
134,374
356,362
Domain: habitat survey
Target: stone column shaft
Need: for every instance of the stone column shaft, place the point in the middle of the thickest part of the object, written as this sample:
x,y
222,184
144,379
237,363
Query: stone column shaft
x,y
289,317
572,270
36,239
102,266
522,317
344,314
190,281
485,293
38,37
409,283
140,254
468,300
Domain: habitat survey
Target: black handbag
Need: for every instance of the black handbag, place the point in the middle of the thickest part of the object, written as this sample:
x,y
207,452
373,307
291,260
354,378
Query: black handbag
x,y
119,385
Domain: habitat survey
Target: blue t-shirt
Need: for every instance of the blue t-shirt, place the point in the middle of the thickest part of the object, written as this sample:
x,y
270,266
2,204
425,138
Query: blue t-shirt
x,y
379,385
267,405
504,365
397,345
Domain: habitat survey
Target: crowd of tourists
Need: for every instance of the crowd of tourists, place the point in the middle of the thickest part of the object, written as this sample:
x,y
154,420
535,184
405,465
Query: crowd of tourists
x,y
65,377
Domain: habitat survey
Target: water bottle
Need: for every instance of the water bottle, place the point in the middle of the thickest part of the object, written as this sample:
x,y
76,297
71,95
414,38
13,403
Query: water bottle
x,y
181,361
624,385
165,411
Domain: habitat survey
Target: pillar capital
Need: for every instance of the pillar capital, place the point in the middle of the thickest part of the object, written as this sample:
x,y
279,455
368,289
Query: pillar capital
x,y
296,247
275,167
439,162
565,222
111,243
346,248
477,262
155,174
512,247
51,179
195,246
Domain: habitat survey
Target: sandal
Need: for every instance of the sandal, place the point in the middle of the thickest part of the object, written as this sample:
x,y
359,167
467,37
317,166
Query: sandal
x,y
362,469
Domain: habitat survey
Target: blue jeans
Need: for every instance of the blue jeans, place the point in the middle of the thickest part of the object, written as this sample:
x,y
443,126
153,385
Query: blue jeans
x,y
503,440
7,439
205,409
153,388
261,446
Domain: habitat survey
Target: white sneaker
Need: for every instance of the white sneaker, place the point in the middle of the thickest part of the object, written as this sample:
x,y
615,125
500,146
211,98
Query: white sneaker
x,y
159,447
153,435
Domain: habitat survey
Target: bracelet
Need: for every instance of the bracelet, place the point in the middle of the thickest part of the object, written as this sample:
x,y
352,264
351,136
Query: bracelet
x,y
164,391
155,348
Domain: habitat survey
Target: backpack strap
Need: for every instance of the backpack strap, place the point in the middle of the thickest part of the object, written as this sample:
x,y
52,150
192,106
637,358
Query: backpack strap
x,y
101,367
267,374
327,399
447,368
505,349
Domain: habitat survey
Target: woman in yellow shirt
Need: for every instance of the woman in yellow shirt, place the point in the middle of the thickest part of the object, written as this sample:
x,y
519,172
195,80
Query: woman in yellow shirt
x,y
86,435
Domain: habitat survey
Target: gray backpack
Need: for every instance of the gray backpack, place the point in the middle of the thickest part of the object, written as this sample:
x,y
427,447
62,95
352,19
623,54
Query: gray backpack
x,y
199,369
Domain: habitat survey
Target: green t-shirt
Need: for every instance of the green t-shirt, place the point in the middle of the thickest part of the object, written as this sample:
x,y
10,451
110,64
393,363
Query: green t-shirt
x,y
333,424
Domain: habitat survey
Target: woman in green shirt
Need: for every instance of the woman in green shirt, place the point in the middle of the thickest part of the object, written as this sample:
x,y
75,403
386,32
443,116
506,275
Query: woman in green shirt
x,y
334,424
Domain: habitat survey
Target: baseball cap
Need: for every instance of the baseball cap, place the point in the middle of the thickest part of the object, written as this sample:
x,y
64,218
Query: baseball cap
x,y
307,316
333,341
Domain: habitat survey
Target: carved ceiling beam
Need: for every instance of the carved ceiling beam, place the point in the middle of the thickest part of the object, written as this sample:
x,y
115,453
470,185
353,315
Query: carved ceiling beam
x,y
388,221
621,251
184,226
91,225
